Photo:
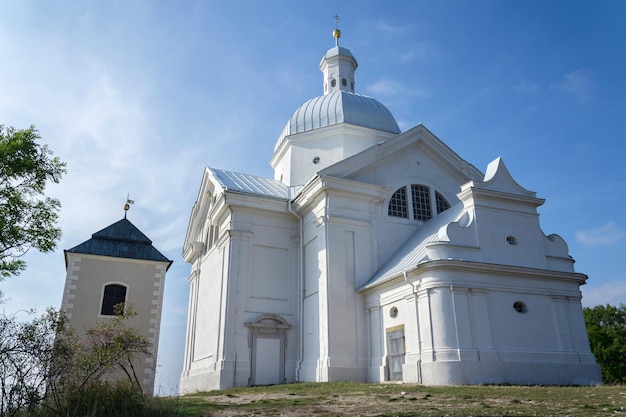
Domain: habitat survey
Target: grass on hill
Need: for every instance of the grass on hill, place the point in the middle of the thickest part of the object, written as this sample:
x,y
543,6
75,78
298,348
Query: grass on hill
x,y
403,400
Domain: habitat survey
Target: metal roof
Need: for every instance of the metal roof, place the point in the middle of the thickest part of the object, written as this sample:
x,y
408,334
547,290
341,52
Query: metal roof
x,y
413,251
339,51
250,184
341,107
121,240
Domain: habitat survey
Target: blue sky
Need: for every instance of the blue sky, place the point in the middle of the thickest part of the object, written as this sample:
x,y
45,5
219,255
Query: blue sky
x,y
138,96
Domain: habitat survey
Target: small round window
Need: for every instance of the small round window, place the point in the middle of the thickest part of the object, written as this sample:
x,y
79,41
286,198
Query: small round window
x,y
520,307
333,83
316,160
511,240
393,312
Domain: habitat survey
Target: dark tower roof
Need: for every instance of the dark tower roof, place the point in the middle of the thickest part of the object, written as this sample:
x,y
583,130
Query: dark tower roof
x,y
121,240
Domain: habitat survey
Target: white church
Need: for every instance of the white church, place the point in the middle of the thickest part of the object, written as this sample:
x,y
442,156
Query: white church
x,y
376,255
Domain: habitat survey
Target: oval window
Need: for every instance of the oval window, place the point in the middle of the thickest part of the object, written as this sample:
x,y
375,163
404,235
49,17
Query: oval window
x,y
520,307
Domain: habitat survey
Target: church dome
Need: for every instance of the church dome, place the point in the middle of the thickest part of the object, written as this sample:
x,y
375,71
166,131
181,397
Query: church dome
x,y
339,104
341,107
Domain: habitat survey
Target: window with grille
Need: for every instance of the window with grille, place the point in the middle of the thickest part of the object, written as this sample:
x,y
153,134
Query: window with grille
x,y
442,204
420,195
114,294
423,203
398,206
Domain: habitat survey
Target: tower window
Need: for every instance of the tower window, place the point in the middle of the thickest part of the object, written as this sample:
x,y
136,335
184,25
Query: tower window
x,y
398,204
344,82
333,83
114,294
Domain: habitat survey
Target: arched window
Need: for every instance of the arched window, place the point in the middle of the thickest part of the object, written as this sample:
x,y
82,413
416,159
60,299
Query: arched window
x,y
333,83
420,195
344,82
398,205
114,294
442,203
423,203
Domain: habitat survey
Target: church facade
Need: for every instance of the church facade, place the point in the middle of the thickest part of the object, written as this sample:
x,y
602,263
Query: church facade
x,y
375,255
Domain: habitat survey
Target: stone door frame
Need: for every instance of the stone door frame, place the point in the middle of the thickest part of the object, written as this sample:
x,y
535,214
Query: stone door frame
x,y
267,326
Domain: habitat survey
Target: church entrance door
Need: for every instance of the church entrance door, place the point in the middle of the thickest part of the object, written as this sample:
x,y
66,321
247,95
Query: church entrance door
x,y
267,340
267,364
395,353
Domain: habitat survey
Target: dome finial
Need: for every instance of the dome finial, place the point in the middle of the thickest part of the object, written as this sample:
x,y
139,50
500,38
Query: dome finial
x,y
336,32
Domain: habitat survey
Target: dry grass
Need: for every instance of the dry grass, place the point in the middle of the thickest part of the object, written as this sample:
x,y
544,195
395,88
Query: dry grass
x,y
361,399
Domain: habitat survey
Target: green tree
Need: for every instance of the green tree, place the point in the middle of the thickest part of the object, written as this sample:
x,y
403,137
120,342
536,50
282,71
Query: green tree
x,y
47,370
27,217
29,351
606,326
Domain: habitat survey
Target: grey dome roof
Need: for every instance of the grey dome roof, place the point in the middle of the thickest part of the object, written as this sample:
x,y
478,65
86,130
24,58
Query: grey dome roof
x,y
341,107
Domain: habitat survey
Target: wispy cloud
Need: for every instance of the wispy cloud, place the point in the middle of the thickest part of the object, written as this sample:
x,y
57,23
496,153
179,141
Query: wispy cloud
x,y
417,52
606,234
612,292
580,84
391,29
387,87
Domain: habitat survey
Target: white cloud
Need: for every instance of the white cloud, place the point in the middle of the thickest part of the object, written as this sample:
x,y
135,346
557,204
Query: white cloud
x,y
414,53
386,87
607,234
388,28
613,292
579,84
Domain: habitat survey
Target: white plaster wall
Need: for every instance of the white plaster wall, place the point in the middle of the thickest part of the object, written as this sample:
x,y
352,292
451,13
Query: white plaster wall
x,y
464,329
413,165
82,299
251,272
495,225
293,161
208,317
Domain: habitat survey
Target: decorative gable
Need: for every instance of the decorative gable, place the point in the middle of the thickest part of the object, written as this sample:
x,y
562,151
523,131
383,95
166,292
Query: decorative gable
x,y
498,178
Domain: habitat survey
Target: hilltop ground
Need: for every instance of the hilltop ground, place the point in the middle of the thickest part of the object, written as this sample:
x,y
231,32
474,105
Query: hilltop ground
x,y
353,399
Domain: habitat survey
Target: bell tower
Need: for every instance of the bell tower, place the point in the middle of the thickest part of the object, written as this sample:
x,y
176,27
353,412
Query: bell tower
x,y
117,266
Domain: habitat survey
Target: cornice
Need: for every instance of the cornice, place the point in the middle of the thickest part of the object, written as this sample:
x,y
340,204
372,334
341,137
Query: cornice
x,y
416,273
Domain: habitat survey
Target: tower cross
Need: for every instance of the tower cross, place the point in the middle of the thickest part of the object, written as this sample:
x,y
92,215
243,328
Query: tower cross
x,y
336,32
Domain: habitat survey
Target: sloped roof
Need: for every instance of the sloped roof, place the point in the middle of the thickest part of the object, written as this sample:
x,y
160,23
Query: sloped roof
x,y
121,240
250,184
413,251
